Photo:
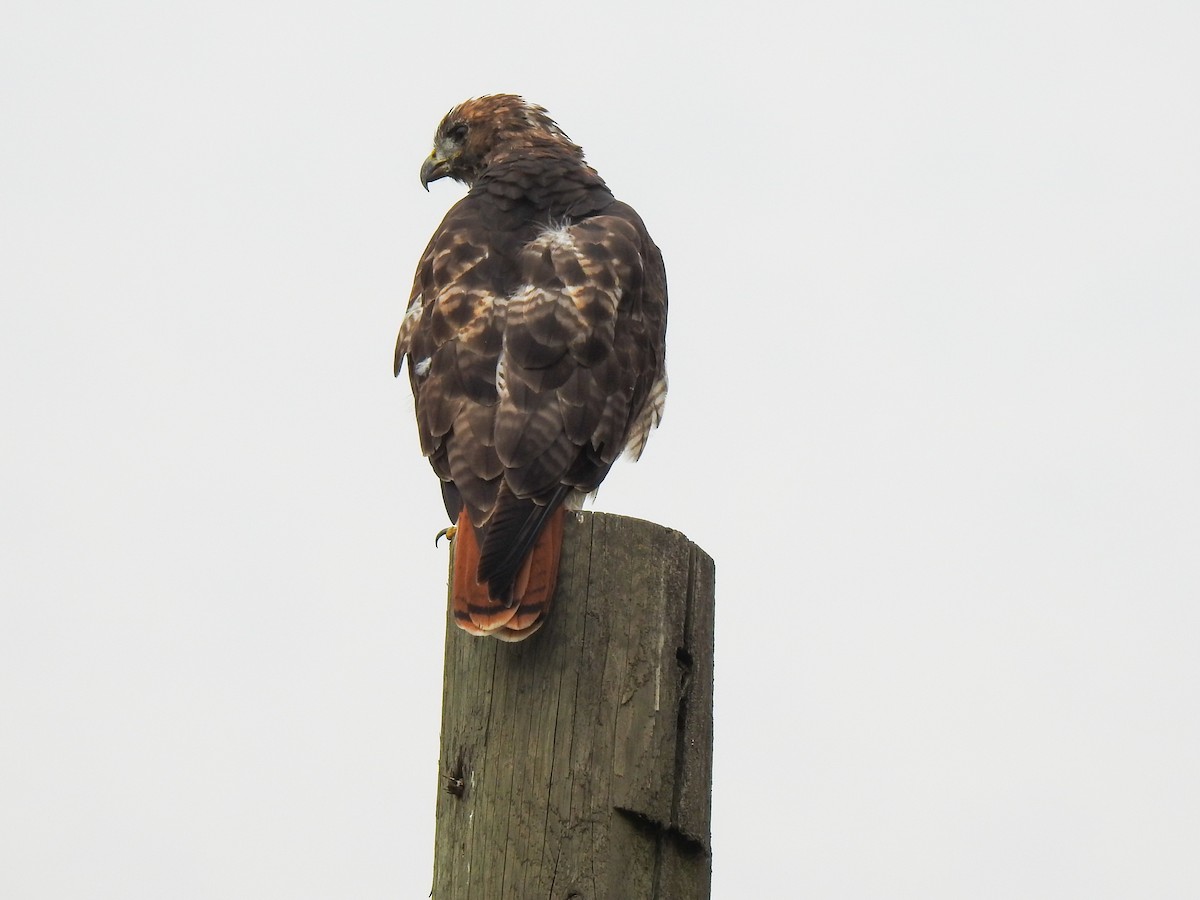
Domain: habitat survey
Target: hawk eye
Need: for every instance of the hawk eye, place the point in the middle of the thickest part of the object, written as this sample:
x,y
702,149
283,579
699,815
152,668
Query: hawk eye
x,y
457,132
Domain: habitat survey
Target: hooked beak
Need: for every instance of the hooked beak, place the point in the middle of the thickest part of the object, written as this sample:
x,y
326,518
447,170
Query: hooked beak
x,y
433,168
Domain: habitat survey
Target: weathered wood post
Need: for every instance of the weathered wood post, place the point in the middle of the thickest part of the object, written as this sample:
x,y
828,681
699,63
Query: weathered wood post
x,y
578,763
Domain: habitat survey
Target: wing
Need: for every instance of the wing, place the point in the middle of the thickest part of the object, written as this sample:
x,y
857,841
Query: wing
x,y
581,373
451,336
582,354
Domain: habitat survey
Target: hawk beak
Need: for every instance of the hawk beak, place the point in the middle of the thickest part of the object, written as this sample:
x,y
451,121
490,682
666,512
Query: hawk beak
x,y
433,168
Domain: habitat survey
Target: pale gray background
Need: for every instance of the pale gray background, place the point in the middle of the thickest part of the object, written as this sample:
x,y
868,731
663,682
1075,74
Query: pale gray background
x,y
935,287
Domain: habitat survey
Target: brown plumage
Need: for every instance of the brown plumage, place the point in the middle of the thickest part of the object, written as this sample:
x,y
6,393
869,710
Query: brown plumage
x,y
535,336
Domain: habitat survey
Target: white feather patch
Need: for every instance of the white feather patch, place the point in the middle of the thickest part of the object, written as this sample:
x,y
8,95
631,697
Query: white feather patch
x,y
559,237
501,378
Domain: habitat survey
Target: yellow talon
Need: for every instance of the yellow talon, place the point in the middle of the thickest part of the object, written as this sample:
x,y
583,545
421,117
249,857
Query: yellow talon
x,y
448,533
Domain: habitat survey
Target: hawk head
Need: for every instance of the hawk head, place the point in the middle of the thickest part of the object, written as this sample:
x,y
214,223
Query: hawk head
x,y
484,130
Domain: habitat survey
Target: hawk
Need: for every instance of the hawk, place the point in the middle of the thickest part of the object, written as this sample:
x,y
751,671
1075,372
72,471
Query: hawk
x,y
535,338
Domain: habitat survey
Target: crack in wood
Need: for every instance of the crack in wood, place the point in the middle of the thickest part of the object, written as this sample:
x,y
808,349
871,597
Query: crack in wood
x,y
688,843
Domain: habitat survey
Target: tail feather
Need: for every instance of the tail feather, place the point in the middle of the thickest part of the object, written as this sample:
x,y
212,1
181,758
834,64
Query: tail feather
x,y
512,532
473,607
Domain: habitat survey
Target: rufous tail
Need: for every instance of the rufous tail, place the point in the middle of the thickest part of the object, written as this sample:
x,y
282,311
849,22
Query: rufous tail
x,y
474,609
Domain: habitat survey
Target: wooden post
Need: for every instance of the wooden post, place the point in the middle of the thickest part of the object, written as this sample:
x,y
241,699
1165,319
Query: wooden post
x,y
578,763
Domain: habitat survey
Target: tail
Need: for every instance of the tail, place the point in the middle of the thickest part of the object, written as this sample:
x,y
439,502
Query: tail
x,y
476,612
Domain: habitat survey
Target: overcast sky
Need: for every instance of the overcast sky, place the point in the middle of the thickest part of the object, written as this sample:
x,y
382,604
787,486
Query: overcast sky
x,y
935,320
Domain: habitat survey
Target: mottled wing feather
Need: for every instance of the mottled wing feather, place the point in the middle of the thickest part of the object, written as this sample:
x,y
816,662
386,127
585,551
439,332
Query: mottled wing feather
x,y
576,351
452,345
582,350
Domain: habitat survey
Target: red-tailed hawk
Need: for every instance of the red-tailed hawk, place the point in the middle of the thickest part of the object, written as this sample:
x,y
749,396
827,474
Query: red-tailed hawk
x,y
535,338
